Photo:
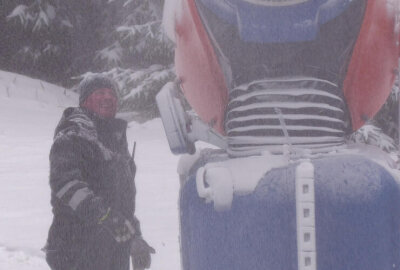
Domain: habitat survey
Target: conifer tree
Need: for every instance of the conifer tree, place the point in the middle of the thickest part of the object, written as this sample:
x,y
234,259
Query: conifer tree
x,y
39,32
139,56
58,41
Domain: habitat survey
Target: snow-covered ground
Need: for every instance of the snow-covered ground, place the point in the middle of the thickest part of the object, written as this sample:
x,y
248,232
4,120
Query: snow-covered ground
x,y
29,112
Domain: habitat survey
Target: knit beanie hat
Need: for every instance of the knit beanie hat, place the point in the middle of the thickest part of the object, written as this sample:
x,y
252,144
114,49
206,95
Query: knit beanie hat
x,y
93,82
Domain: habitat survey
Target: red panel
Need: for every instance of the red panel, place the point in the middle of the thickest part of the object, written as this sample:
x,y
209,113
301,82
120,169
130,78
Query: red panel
x,y
197,66
370,73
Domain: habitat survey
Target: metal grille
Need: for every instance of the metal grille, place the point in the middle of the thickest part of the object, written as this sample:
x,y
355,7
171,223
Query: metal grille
x,y
303,113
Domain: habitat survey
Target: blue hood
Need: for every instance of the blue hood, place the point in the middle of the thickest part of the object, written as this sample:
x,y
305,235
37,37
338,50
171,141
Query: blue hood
x,y
277,21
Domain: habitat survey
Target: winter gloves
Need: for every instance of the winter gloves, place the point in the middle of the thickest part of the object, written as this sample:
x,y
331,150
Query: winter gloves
x,y
140,253
122,230
117,225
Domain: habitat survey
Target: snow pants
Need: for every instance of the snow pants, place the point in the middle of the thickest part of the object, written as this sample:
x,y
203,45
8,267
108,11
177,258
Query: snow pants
x,y
357,221
98,253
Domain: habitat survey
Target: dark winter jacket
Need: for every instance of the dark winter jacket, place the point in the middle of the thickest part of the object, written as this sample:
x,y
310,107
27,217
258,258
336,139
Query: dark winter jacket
x,y
90,170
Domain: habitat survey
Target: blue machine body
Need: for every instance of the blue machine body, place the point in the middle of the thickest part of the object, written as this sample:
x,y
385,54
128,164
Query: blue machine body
x,y
269,23
357,219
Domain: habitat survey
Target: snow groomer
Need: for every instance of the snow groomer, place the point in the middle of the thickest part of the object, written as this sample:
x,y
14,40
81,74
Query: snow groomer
x,y
278,85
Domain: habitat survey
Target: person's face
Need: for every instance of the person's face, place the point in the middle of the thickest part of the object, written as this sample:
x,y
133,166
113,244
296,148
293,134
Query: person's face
x,y
102,102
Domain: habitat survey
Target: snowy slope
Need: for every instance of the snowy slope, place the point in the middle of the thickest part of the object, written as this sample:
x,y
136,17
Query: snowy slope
x,y
29,112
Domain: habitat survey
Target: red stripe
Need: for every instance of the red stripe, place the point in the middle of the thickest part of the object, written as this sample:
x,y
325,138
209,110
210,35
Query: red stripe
x,y
198,68
370,74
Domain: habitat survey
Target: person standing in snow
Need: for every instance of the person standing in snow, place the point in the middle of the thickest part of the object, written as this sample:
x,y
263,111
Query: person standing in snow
x,y
92,187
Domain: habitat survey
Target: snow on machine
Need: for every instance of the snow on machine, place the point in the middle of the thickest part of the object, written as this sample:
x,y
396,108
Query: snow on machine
x,y
277,85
